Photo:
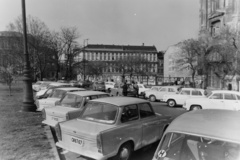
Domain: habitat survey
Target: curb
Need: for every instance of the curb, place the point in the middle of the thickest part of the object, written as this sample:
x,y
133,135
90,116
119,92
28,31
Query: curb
x,y
51,141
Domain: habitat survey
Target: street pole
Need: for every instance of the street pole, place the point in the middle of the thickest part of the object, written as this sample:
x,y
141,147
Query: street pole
x,y
28,102
84,68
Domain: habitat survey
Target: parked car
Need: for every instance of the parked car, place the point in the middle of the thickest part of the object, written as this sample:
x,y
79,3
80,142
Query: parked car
x,y
117,90
98,86
109,86
44,93
201,135
74,83
154,88
112,127
142,88
36,86
70,106
56,95
154,95
218,99
44,85
85,84
178,99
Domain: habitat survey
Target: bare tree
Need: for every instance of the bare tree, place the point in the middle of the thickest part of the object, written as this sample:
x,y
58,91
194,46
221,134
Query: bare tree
x,y
69,45
7,74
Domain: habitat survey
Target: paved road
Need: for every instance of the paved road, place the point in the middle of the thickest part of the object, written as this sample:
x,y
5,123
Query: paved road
x,y
144,153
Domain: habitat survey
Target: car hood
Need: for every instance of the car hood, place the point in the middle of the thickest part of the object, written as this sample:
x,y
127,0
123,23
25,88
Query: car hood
x,y
41,92
59,111
84,127
50,101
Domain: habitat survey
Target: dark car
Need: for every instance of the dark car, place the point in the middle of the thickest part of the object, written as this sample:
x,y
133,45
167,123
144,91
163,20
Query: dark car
x,y
99,86
117,90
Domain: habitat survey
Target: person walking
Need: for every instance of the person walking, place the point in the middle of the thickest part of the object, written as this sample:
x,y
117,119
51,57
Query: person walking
x,y
125,88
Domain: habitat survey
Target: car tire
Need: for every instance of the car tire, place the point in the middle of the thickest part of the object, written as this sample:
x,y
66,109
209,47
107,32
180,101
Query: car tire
x,y
171,103
195,107
152,98
124,152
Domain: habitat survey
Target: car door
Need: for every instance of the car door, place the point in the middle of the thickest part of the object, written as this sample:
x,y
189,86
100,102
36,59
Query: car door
x,y
182,96
151,125
215,101
161,92
231,101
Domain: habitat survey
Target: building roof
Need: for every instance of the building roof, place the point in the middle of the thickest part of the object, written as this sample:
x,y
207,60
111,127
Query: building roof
x,y
103,47
121,101
212,123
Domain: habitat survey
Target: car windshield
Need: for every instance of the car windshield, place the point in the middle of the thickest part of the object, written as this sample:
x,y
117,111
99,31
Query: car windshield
x,y
71,100
57,94
100,112
209,94
177,146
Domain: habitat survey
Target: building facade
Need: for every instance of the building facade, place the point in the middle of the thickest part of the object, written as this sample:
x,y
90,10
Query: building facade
x,y
110,54
214,16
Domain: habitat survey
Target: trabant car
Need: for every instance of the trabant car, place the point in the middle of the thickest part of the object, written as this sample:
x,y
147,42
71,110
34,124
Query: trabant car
x,y
117,90
201,135
70,106
112,127
217,99
56,95
154,95
44,93
185,93
154,88
109,86
99,86
36,86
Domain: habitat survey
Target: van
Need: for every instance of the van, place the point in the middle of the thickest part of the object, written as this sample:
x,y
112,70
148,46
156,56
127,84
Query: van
x,y
202,135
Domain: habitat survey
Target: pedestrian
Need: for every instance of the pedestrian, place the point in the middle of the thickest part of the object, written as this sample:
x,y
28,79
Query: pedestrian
x,y
136,89
124,88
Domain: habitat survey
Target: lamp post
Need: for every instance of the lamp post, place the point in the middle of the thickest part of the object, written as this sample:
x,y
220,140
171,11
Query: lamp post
x,y
84,70
28,102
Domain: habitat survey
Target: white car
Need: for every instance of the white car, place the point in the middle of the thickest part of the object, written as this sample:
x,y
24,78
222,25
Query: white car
x,y
182,96
154,95
142,88
36,86
46,91
109,85
154,88
219,99
56,95
70,106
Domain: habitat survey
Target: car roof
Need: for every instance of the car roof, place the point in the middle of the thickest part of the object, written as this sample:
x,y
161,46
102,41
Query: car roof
x,y
171,86
70,88
88,93
121,101
212,123
58,84
199,89
225,91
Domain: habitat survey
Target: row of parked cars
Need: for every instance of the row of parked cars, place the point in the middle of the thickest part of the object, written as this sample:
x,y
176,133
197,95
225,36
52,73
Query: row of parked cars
x,y
97,126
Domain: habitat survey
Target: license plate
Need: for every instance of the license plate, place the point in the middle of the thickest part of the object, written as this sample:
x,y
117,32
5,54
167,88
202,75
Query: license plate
x,y
77,141
54,118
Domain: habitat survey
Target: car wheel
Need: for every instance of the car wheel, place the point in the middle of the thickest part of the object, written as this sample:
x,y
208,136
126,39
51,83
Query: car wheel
x,y
171,103
117,94
152,98
195,107
124,152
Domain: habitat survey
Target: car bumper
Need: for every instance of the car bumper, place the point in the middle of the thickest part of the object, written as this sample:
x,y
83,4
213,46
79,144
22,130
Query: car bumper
x,y
50,123
86,153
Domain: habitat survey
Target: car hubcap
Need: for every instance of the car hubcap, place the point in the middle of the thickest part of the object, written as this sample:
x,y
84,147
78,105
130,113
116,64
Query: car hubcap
x,y
195,108
171,103
124,154
152,98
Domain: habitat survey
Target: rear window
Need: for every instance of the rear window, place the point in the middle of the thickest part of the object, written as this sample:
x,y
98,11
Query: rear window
x,y
100,112
71,100
57,94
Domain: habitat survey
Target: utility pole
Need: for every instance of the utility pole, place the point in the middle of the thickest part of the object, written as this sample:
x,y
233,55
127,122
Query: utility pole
x,y
28,102
84,61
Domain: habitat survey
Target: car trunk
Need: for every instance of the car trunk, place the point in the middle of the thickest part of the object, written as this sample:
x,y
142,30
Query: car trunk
x,y
80,136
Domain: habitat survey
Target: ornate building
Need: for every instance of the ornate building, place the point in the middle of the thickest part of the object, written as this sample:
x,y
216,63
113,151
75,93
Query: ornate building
x,y
214,16
109,54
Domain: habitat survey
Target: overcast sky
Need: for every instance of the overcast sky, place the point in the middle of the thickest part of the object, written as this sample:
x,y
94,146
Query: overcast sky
x,y
121,22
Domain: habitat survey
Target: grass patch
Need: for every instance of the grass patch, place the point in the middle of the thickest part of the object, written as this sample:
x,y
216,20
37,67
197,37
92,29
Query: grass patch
x,y
21,135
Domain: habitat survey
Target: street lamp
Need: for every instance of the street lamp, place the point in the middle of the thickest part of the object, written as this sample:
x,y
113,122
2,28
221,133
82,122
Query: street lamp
x,y
28,102
84,70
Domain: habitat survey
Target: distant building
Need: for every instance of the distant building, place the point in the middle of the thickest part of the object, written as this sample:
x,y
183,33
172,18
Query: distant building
x,y
214,16
109,54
